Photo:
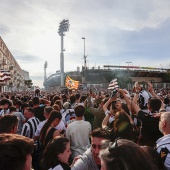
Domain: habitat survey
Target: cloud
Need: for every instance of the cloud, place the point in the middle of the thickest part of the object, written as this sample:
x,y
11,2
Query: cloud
x,y
115,32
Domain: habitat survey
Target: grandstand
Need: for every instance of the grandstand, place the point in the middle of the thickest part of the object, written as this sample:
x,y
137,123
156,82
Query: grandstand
x,y
99,75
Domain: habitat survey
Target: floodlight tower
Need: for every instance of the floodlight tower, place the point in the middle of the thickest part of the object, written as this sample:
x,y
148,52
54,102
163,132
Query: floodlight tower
x,y
64,26
45,67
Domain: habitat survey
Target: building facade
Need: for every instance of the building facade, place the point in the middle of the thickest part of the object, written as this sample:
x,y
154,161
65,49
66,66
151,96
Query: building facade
x,y
9,64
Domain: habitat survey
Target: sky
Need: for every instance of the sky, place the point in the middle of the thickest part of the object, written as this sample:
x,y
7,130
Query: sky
x,y
115,31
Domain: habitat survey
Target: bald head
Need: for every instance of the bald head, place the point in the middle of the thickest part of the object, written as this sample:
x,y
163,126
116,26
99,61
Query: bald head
x,y
166,117
164,123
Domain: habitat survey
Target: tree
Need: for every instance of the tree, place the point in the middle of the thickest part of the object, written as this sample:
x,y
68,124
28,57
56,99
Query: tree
x,y
28,83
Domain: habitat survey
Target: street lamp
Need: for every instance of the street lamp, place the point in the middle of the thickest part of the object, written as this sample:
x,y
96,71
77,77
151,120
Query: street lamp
x,y
85,64
64,27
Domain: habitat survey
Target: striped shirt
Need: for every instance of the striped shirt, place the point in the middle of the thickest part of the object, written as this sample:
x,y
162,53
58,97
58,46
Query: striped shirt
x,y
30,127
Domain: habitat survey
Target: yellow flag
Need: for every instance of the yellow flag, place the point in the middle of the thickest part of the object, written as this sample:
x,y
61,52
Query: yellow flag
x,y
71,84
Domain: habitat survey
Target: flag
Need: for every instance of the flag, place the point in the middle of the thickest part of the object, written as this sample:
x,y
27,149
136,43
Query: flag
x,y
71,84
4,75
113,84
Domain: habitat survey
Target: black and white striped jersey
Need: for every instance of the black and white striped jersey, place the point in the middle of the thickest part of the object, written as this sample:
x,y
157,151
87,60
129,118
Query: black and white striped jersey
x,y
29,128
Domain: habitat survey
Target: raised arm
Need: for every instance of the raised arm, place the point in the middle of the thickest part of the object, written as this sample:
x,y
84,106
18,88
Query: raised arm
x,y
105,121
128,101
151,90
134,102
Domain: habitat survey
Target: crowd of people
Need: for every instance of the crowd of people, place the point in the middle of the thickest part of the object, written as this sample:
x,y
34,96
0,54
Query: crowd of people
x,y
86,130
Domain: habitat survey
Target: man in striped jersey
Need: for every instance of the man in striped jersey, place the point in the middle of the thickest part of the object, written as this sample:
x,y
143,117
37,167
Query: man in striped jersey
x,y
30,126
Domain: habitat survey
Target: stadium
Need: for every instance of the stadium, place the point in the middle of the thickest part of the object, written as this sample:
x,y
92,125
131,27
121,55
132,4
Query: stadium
x,y
101,76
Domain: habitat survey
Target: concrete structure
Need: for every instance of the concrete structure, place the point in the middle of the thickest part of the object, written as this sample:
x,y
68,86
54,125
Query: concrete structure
x,y
100,76
64,26
8,63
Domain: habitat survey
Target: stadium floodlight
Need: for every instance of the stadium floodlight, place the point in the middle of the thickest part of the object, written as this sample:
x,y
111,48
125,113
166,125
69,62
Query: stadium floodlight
x,y
64,27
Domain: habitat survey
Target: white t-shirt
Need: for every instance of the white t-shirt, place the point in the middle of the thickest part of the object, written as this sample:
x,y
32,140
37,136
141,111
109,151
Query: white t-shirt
x,y
78,132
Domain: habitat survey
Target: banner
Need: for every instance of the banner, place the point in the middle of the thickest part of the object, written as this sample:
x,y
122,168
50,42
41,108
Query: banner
x,y
4,75
71,84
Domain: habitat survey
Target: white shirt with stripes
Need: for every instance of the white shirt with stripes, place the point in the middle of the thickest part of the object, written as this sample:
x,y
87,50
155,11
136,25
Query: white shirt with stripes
x,y
29,128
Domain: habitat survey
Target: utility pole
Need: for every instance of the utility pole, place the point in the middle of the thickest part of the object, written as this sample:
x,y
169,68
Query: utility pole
x,y
45,67
85,64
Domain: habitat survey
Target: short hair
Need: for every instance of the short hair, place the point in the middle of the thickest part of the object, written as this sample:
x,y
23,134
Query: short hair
x,y
166,100
101,133
54,147
18,102
56,97
79,110
24,105
72,98
14,151
8,123
83,98
77,96
12,109
121,154
155,104
30,109
35,101
5,101
37,91
48,109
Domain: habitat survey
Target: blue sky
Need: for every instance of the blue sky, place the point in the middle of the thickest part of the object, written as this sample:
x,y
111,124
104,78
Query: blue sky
x,y
116,32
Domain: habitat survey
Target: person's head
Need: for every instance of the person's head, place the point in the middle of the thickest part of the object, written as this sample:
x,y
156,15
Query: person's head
x,y
29,112
66,105
35,101
24,105
123,155
77,96
154,104
55,117
18,103
47,111
166,101
53,120
15,152
5,103
164,123
97,135
79,110
72,99
115,106
37,91
56,107
12,109
56,97
57,150
83,98
58,102
8,124
155,156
